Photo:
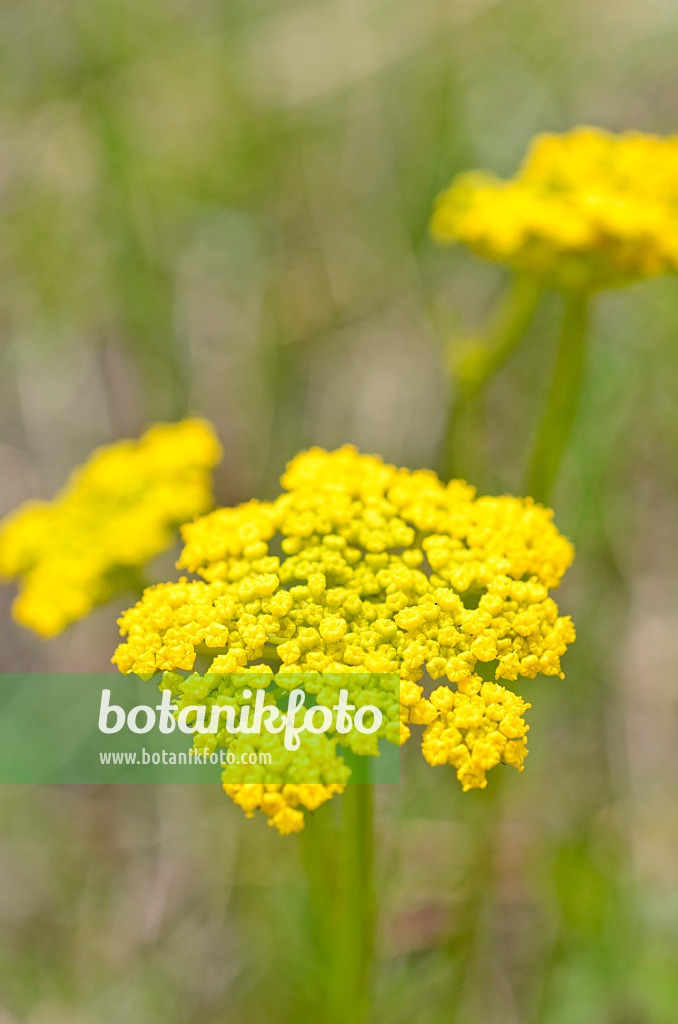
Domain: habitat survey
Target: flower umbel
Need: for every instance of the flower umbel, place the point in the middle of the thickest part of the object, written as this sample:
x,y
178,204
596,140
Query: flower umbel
x,y
290,779
115,513
360,567
587,209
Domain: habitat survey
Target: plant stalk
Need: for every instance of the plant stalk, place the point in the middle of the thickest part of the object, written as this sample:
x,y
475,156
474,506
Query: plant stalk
x,y
463,454
561,404
339,870
351,977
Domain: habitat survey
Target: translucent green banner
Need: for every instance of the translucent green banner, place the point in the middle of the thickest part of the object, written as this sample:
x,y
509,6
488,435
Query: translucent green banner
x,y
250,728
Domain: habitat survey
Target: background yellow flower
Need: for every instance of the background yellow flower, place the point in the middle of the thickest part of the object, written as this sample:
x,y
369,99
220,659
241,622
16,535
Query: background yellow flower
x,y
115,513
586,209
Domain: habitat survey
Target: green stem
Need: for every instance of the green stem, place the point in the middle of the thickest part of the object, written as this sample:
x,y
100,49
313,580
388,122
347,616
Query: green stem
x,y
462,446
561,405
339,870
350,979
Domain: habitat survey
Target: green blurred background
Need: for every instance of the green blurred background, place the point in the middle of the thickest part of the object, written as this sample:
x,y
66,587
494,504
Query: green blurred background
x,y
222,208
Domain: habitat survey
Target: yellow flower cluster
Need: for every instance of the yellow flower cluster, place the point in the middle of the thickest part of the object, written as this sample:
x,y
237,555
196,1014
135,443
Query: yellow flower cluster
x,y
115,513
282,804
587,209
361,567
290,779
476,728
313,774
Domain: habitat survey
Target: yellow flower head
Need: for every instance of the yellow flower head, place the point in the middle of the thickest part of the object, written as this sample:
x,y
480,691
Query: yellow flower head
x,y
115,513
587,209
283,782
360,567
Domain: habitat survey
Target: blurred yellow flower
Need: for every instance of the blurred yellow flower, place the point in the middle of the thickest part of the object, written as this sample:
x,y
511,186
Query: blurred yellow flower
x,y
587,209
115,513
360,567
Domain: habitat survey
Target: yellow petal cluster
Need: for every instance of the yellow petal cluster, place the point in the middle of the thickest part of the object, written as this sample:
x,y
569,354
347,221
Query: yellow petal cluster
x,y
361,567
586,209
289,781
477,727
283,805
294,781
116,512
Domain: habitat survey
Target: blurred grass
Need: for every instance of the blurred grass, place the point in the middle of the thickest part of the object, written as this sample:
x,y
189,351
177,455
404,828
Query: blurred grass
x,y
223,208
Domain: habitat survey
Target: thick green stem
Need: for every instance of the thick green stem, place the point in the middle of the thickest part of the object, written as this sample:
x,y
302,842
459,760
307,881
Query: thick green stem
x,y
339,871
350,969
561,405
462,445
